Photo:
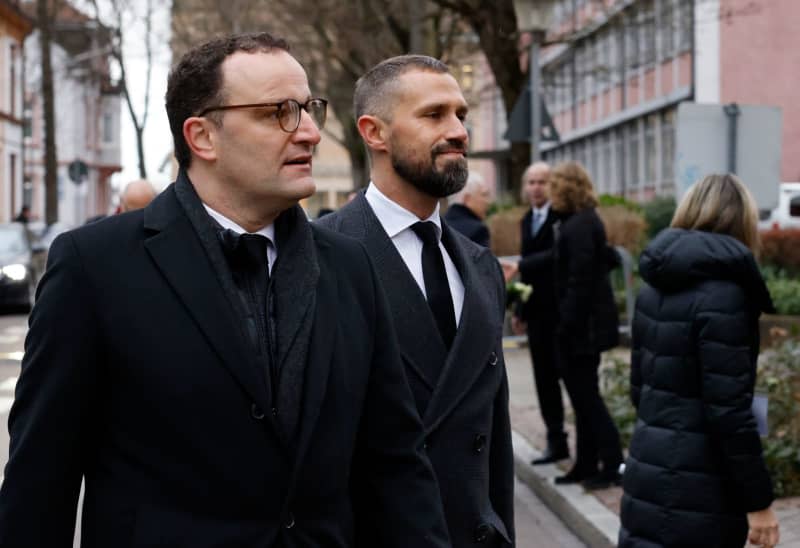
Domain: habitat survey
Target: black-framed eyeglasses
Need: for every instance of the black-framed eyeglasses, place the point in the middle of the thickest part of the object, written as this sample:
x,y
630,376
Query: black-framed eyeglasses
x,y
288,112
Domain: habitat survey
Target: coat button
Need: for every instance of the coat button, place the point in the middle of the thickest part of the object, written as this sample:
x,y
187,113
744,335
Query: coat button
x,y
426,444
493,358
479,443
288,522
482,532
256,412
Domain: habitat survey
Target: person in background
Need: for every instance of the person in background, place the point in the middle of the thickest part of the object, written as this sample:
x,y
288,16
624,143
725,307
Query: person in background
x,y
24,215
586,324
136,195
537,316
695,474
468,207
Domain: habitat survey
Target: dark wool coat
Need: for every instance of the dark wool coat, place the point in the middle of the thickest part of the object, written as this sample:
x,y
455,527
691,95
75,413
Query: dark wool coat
x,y
587,315
695,466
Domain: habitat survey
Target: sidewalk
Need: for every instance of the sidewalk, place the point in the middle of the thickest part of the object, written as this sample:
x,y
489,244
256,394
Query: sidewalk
x,y
594,517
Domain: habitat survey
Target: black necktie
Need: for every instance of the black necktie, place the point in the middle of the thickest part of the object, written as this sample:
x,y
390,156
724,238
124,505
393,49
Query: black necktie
x,y
247,256
435,276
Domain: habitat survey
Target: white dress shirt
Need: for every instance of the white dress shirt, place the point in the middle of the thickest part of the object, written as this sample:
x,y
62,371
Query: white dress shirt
x,y
268,231
397,221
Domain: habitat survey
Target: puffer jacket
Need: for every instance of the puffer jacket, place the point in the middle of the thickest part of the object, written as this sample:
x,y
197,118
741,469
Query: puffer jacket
x,y
695,466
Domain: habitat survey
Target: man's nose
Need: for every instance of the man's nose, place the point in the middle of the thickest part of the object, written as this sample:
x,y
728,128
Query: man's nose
x,y
457,131
307,131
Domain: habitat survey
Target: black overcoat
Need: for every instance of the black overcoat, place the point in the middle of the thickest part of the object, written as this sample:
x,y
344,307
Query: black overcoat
x,y
465,413
138,377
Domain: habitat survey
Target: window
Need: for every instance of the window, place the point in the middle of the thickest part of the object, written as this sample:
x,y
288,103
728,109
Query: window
x,y
666,29
618,138
108,128
12,79
650,149
668,146
631,43
685,17
580,71
648,24
794,207
633,154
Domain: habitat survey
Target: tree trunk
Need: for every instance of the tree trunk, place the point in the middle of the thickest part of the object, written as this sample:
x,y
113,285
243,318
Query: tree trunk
x,y
44,21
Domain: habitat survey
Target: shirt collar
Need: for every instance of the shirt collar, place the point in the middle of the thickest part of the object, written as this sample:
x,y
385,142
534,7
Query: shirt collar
x,y
543,210
224,222
394,217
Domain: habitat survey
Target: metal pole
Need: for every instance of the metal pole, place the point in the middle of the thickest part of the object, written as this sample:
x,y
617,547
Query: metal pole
x,y
537,36
732,111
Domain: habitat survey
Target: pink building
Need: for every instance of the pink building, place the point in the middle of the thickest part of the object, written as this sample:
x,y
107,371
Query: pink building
x,y
613,89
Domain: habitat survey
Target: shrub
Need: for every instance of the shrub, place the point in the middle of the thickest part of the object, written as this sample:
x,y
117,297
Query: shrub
x,y
624,226
781,249
615,387
613,200
505,231
785,294
658,214
779,378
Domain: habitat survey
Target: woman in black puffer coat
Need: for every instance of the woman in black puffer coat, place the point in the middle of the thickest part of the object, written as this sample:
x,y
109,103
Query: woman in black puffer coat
x,y
695,476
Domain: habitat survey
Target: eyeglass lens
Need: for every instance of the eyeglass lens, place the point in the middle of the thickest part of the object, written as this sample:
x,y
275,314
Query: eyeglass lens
x,y
289,113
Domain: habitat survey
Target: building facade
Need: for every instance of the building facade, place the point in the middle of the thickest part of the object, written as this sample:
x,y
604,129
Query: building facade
x,y
14,27
87,114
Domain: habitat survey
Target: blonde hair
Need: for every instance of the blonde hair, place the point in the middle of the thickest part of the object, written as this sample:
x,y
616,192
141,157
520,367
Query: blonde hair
x,y
571,188
720,203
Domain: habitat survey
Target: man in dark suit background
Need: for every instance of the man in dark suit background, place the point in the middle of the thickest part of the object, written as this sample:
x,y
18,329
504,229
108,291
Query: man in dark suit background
x,y
191,361
539,313
446,293
467,209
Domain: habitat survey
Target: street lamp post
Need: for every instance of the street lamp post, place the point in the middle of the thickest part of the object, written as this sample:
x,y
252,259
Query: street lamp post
x,y
533,17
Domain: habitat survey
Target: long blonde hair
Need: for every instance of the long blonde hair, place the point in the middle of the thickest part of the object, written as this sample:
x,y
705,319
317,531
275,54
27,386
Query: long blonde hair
x,y
720,203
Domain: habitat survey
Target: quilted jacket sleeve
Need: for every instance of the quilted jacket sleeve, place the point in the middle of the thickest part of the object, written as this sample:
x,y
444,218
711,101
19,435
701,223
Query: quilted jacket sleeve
x,y
727,370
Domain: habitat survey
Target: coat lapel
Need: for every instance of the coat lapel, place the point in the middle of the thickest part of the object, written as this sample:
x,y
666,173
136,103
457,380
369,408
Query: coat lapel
x,y
478,331
182,260
417,333
320,356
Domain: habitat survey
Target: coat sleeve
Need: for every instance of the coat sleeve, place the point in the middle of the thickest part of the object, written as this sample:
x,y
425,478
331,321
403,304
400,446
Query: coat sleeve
x,y
397,501
501,487
50,423
728,376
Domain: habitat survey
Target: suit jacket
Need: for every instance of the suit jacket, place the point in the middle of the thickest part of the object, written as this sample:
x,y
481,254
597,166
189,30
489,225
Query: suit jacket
x,y
536,269
138,377
465,413
462,219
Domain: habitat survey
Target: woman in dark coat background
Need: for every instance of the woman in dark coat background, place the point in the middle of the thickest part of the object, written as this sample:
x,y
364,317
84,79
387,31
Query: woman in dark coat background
x,y
695,474
587,323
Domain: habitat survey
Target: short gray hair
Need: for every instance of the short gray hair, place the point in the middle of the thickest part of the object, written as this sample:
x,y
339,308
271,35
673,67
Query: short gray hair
x,y
474,181
375,90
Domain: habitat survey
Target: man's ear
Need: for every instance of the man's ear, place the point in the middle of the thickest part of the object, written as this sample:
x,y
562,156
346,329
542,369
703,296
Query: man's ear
x,y
199,134
373,131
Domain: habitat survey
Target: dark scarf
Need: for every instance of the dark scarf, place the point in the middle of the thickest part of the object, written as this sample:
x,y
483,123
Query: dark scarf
x,y
293,282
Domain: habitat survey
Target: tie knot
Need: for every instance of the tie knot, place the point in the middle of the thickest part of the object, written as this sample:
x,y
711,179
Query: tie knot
x,y
250,249
426,231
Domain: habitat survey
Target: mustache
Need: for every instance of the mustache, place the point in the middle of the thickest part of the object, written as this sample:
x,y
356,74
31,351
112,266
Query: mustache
x,y
451,145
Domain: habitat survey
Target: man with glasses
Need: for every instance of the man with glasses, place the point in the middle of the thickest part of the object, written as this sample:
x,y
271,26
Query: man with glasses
x,y
192,362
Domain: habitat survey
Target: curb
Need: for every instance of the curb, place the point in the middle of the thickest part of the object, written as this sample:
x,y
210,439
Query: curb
x,y
581,512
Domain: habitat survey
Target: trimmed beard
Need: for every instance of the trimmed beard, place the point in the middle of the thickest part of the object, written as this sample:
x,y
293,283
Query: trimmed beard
x,y
426,178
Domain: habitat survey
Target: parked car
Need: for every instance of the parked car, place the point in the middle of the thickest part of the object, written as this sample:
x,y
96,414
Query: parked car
x,y
20,268
787,214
